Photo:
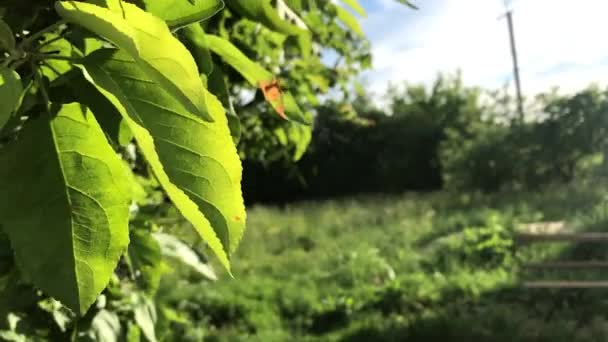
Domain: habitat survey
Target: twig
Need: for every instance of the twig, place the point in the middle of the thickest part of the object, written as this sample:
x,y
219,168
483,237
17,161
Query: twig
x,y
50,41
40,81
38,34
44,56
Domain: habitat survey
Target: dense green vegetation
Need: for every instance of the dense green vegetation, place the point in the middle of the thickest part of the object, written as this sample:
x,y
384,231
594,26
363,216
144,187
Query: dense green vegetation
x,y
440,267
126,128
447,135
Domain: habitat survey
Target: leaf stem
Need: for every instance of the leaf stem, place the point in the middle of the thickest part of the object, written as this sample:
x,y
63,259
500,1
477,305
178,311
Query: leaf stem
x,y
38,34
44,56
50,41
40,81
18,63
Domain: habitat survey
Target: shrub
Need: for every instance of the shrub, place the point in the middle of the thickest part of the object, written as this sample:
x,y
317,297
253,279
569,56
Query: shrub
x,y
551,147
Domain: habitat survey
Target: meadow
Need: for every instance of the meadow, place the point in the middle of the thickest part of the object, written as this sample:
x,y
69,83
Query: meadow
x,y
418,267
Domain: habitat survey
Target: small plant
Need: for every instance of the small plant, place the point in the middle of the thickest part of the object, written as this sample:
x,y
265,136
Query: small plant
x,y
491,244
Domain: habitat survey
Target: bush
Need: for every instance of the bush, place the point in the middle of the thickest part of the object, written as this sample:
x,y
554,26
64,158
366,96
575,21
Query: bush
x,y
482,162
375,152
441,137
566,136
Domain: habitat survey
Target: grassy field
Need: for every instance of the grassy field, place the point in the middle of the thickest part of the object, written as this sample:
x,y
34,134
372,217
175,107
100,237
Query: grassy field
x,y
416,267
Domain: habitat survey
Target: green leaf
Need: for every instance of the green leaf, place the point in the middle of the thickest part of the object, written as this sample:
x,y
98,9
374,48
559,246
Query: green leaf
x,y
183,12
61,316
300,136
149,42
214,76
106,326
146,258
12,335
251,71
255,75
11,89
408,4
110,120
294,136
84,41
65,207
263,12
195,161
296,5
354,4
145,316
133,333
7,39
55,68
197,43
218,86
172,247
116,128
349,20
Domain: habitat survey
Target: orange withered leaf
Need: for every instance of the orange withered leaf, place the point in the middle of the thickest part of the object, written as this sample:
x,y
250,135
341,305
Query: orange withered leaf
x,y
272,94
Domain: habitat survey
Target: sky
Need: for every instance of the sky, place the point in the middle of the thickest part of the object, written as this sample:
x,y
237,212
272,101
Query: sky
x,y
560,42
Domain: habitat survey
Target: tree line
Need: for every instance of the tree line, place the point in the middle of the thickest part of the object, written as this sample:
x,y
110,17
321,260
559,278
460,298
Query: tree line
x,y
443,136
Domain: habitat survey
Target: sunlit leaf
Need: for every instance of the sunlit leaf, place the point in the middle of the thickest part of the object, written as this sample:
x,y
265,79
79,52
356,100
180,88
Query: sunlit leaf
x,y
106,326
69,236
172,247
197,43
146,259
110,120
183,12
264,12
213,74
219,87
133,333
349,20
256,75
55,45
355,5
149,42
145,316
195,161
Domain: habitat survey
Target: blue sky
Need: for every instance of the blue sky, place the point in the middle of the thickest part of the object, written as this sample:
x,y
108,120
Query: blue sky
x,y
560,42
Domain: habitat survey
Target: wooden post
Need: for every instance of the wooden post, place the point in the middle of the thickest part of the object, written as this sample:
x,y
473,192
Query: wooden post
x,y
561,284
520,106
566,237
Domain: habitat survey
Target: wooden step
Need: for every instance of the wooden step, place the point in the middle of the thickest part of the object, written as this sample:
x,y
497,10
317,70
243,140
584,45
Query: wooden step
x,y
556,237
566,265
565,284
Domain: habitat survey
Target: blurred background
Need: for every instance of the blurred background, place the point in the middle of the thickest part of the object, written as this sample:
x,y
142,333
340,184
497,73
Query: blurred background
x,y
447,140
397,218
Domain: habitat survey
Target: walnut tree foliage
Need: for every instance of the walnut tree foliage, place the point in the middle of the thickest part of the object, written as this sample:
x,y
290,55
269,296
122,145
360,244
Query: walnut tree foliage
x,y
119,154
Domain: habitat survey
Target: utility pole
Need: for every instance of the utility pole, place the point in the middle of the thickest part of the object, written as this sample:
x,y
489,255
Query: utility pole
x,y
520,106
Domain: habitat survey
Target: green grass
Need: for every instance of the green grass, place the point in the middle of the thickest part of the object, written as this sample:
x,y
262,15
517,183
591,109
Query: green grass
x,y
416,267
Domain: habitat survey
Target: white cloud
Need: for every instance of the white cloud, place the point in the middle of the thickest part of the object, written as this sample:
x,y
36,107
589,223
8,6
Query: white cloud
x,y
560,43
